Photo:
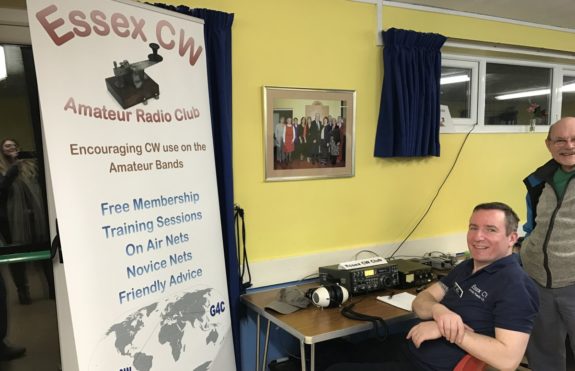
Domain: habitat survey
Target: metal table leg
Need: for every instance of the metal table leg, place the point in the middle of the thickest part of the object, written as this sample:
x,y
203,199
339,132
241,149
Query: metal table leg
x,y
258,342
264,365
302,355
312,358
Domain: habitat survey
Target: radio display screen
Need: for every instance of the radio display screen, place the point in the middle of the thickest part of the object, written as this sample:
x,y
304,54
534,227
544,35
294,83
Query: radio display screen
x,y
368,272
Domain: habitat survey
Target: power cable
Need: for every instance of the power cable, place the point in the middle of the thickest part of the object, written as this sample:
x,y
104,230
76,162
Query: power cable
x,y
438,191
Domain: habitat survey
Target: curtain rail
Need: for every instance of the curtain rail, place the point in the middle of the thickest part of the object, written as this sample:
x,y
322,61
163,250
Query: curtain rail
x,y
508,48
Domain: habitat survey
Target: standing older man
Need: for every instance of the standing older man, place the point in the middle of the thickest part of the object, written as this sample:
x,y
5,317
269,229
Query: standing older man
x,y
548,251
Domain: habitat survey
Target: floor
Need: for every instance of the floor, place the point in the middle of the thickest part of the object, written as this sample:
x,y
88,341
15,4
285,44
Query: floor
x,y
33,326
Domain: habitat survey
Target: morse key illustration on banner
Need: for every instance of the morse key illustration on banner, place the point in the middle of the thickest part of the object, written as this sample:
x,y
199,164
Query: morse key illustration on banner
x,y
130,85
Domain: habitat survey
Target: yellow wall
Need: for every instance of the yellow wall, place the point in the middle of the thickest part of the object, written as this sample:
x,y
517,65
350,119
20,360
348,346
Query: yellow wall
x,y
331,44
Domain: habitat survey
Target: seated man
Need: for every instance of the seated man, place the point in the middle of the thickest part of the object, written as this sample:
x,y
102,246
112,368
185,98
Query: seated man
x,y
484,307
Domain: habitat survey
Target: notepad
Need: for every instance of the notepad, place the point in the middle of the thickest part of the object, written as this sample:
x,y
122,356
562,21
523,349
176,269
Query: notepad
x,y
402,300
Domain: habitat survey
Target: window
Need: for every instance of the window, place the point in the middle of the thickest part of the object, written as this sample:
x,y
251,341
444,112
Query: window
x,y
515,94
458,89
568,94
505,93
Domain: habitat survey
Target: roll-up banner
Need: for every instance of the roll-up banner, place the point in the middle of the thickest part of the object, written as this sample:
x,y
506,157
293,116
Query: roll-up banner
x,y
126,120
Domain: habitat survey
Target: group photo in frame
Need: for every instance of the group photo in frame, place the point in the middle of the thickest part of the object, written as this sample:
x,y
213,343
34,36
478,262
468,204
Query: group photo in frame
x,y
309,133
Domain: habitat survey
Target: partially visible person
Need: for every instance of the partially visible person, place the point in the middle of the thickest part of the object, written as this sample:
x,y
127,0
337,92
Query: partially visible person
x,y
334,142
297,138
288,140
548,250
341,125
22,212
7,352
485,306
314,141
324,140
302,135
278,139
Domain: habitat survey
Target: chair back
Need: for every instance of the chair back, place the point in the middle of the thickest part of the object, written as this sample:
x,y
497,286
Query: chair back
x,y
470,363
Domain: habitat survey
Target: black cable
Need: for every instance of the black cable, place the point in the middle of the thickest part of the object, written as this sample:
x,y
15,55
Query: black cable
x,y
308,277
379,324
56,246
242,258
245,262
362,251
438,191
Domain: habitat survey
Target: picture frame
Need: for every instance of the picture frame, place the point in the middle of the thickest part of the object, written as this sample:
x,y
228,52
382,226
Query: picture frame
x,y
322,147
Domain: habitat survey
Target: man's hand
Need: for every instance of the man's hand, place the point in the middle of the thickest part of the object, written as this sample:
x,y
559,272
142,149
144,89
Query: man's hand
x,y
423,331
449,323
427,306
427,330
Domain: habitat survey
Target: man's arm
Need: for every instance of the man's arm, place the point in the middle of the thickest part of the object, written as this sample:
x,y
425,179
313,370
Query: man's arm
x,y
504,352
427,306
425,300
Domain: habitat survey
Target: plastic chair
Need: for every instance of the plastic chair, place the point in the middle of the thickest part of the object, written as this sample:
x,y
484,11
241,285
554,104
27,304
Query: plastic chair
x,y
470,363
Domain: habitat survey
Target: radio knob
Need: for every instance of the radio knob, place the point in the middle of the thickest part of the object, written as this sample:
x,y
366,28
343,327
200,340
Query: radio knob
x,y
386,281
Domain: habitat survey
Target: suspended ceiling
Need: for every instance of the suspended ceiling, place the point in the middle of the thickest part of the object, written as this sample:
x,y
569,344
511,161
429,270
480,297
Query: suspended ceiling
x,y
555,13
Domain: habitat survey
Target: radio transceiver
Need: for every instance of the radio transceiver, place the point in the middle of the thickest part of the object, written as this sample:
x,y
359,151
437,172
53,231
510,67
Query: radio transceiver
x,y
413,274
361,280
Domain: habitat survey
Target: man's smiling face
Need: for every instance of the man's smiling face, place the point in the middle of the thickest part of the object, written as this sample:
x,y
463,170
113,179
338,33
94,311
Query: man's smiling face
x,y
561,143
487,237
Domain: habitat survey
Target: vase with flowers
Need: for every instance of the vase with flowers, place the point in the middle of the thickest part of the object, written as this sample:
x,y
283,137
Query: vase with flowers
x,y
537,114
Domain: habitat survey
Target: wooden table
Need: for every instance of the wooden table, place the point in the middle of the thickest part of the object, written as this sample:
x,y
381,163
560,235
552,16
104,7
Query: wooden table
x,y
313,325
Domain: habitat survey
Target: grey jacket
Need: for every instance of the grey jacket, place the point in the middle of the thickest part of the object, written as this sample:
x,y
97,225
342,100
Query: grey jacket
x,y
548,251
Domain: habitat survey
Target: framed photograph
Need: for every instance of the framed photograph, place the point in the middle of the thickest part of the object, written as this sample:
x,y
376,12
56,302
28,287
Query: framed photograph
x,y
309,133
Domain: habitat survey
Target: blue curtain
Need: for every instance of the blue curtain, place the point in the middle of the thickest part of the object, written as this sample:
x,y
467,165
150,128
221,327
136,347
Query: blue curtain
x,y
218,41
408,123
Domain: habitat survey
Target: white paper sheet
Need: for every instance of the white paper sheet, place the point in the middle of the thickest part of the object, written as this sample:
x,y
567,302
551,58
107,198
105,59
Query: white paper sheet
x,y
402,300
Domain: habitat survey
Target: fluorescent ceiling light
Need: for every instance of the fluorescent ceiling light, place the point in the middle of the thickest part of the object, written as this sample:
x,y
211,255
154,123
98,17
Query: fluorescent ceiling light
x,y
453,79
569,88
523,94
3,73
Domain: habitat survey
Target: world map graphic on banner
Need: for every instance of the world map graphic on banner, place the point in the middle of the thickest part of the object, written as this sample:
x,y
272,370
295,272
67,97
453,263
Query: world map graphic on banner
x,y
156,336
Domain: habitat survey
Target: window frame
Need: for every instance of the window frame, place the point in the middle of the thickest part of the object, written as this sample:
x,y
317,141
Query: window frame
x,y
474,67
560,76
478,80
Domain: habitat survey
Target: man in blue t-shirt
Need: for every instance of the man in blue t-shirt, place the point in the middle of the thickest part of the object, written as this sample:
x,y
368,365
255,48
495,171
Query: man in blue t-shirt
x,y
485,306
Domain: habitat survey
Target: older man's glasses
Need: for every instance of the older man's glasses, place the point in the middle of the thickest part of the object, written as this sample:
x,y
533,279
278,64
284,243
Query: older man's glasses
x,y
562,142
